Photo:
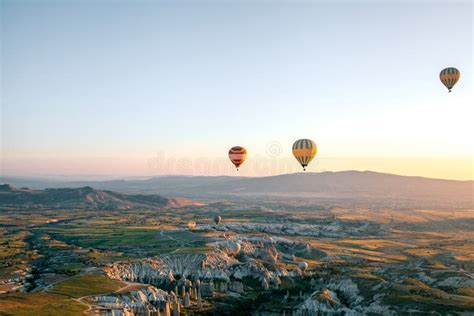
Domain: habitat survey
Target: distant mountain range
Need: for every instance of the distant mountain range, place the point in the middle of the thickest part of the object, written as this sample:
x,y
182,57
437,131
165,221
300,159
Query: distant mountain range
x,y
353,185
82,198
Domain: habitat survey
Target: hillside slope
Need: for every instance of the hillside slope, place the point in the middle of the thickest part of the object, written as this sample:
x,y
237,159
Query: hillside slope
x,y
85,197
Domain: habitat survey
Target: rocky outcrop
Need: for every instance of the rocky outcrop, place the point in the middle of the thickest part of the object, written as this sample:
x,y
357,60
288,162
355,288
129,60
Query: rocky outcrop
x,y
347,289
150,301
341,297
322,301
166,269
216,272
331,229
146,271
221,270
145,301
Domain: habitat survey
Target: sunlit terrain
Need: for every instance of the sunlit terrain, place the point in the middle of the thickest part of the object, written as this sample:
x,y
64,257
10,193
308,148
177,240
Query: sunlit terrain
x,y
140,260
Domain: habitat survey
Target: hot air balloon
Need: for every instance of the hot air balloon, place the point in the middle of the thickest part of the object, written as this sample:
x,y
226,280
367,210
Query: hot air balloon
x,y
303,265
449,77
304,151
217,219
235,248
191,225
237,155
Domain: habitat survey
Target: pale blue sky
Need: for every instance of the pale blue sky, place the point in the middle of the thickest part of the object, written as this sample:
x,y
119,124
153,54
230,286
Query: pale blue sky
x,y
85,82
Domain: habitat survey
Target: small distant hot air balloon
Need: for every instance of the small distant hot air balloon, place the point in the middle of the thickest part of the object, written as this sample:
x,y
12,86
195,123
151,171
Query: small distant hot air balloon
x,y
303,265
304,151
235,248
237,155
449,76
217,219
191,225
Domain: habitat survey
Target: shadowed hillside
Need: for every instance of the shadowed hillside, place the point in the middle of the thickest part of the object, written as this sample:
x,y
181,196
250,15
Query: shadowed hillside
x,y
85,197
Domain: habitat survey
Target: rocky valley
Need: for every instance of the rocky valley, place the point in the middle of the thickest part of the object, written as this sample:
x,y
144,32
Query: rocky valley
x,y
100,252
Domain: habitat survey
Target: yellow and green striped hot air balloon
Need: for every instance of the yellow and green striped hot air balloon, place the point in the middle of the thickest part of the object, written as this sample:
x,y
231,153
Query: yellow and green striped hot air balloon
x,y
449,77
304,151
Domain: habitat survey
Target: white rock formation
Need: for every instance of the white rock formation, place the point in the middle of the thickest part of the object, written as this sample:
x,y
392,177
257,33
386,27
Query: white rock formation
x,y
323,229
328,301
217,267
348,289
142,301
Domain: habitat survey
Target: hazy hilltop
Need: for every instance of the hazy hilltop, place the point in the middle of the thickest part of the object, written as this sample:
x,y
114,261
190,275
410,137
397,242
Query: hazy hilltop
x,y
348,183
85,197
355,186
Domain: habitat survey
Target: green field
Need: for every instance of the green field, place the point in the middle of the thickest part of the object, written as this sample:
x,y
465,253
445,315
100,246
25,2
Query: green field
x,y
137,242
85,285
39,304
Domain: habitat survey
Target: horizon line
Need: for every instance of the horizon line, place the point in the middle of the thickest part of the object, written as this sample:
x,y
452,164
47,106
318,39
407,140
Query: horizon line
x,y
63,177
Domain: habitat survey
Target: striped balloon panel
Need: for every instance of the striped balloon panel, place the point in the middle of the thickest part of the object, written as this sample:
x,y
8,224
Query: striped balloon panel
x,y
237,155
449,77
304,151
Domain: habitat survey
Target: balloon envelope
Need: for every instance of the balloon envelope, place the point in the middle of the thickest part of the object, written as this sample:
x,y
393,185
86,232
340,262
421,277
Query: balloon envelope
x,y
191,224
303,265
235,248
237,155
449,76
304,151
217,219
